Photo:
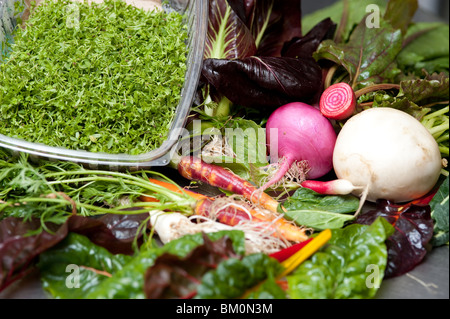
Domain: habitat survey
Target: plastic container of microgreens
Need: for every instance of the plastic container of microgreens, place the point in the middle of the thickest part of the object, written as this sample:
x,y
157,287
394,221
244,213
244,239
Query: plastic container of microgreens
x,y
196,19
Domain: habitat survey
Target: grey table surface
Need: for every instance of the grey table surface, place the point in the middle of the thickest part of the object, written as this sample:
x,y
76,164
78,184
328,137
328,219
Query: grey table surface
x,y
428,280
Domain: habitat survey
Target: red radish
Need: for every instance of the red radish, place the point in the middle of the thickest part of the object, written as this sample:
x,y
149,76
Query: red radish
x,y
333,187
338,102
299,132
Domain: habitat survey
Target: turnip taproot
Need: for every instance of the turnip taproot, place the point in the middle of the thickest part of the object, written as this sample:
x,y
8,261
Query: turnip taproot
x,y
389,153
299,132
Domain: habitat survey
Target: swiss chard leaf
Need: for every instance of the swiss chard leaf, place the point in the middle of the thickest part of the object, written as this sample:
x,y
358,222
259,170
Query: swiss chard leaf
x,y
415,94
369,56
26,240
108,276
233,277
308,208
440,214
340,270
89,266
174,277
116,233
413,231
264,83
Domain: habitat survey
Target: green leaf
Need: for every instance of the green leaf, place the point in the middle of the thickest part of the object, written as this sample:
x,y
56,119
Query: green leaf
x,y
234,277
426,47
310,209
127,272
399,13
305,198
368,57
76,266
440,214
351,265
357,9
247,140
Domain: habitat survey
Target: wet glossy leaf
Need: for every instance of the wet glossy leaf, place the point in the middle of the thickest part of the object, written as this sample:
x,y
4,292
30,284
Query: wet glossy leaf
x,y
413,231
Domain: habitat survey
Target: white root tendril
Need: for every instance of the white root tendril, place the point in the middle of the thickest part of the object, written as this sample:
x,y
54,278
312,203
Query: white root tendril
x,y
295,175
218,147
259,236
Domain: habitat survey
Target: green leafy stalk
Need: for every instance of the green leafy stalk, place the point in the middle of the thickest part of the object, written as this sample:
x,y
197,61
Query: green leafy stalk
x,y
54,191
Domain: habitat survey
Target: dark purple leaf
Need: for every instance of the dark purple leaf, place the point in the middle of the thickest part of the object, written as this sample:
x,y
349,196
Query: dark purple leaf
x,y
284,24
413,230
264,82
19,249
243,8
307,45
113,232
228,37
271,22
173,277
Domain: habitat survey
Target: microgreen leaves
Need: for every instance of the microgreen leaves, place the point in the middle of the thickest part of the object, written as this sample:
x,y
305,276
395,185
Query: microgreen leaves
x,y
108,81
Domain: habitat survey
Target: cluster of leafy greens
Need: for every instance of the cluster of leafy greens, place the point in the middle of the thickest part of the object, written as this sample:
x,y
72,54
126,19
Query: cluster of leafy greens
x,y
58,214
98,77
412,57
47,209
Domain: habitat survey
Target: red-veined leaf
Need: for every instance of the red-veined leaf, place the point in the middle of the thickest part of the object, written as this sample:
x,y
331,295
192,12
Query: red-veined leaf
x,y
228,37
413,230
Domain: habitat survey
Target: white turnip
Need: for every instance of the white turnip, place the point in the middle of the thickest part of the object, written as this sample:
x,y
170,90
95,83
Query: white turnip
x,y
389,153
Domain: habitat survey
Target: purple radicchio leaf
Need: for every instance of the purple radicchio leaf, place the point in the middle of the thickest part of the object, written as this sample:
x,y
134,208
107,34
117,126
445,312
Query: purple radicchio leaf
x,y
271,22
274,23
413,231
308,44
264,82
228,37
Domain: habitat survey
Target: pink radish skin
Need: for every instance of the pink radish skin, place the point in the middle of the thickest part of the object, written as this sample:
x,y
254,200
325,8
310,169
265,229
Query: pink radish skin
x,y
299,132
338,102
334,187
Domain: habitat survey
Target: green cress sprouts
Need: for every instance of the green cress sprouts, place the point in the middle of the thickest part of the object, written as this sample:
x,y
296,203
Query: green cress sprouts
x,y
97,77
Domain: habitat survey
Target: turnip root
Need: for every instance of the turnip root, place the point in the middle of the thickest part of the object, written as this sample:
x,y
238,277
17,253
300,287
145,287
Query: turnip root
x,y
389,153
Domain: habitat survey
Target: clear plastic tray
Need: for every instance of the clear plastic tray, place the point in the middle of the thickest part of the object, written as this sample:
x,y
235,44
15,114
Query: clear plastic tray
x,y
196,12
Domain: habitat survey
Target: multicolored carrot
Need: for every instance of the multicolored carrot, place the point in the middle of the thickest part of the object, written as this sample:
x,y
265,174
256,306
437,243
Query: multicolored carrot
x,y
195,169
232,213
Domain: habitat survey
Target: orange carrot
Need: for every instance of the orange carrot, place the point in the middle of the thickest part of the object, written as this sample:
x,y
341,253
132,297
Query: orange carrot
x,y
173,187
195,169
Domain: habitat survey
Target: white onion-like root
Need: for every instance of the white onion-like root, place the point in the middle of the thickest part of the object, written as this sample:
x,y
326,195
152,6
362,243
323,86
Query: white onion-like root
x,y
258,237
